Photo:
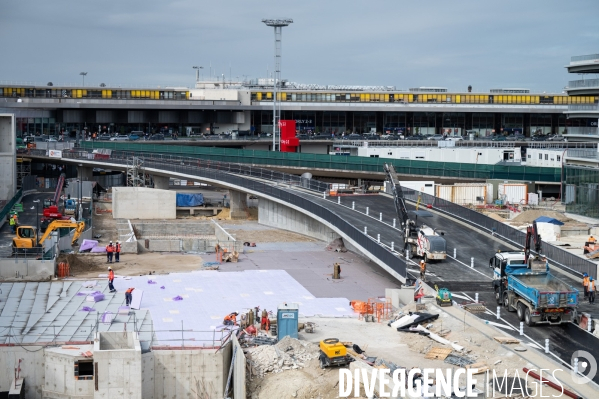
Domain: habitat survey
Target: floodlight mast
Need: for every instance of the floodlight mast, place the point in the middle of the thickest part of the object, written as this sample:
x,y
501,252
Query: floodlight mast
x,y
278,24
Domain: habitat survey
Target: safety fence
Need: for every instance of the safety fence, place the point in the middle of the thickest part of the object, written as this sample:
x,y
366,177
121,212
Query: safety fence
x,y
336,162
253,179
555,255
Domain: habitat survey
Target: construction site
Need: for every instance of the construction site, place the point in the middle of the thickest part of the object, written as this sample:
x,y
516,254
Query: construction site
x,y
250,289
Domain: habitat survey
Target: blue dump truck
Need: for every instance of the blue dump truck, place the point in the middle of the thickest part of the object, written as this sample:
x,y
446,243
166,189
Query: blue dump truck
x,y
524,284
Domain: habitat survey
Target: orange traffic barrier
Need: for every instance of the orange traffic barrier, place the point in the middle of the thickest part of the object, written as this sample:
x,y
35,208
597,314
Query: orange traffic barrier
x,y
63,270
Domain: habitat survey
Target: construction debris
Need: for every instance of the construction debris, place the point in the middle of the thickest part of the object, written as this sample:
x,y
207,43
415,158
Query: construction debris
x,y
506,340
438,353
460,361
480,367
287,354
337,245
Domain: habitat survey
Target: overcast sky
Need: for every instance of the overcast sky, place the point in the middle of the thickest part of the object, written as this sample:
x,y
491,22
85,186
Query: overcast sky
x,y
447,43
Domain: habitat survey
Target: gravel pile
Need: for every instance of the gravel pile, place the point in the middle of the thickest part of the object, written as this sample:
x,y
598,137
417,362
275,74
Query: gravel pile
x,y
287,354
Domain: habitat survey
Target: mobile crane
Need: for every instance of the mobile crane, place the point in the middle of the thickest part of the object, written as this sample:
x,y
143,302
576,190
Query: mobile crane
x,y
420,240
26,238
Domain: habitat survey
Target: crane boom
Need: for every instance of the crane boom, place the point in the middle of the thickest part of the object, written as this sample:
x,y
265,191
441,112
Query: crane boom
x,y
532,234
398,199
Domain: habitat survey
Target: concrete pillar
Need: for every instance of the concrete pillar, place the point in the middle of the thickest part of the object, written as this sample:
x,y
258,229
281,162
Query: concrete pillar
x,y
160,182
238,204
85,173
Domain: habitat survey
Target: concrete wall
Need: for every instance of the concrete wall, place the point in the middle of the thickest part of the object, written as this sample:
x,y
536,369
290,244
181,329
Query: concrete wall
x,y
276,215
190,244
8,160
119,366
169,228
29,269
238,204
185,373
60,379
32,368
143,203
238,371
64,243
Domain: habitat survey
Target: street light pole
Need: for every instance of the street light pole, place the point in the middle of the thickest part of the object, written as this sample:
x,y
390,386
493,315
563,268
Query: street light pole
x,y
83,76
197,68
278,24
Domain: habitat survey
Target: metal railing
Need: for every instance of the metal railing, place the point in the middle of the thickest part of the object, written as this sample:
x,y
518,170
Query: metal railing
x,y
576,153
263,181
583,107
6,210
343,163
580,58
574,84
555,255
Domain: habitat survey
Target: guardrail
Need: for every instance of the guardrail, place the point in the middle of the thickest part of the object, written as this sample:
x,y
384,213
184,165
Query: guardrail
x,y
575,153
580,58
5,211
583,107
574,84
251,178
343,163
557,256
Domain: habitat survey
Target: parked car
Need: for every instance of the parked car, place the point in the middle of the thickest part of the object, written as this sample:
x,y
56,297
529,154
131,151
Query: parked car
x,y
303,137
539,137
120,137
51,139
455,138
157,136
352,136
104,136
498,138
436,137
133,137
556,137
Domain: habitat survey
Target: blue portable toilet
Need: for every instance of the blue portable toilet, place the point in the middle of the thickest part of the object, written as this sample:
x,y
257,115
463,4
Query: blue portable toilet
x,y
287,320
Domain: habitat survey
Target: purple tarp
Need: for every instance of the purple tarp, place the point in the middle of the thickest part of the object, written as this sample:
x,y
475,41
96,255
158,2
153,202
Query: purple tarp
x,y
87,245
107,317
162,287
151,282
177,298
98,248
95,297
87,309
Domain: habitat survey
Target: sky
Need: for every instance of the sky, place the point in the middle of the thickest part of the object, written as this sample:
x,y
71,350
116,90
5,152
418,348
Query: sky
x,y
447,43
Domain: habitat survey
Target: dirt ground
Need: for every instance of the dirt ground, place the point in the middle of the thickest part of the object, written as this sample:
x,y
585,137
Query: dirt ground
x,y
90,266
268,236
378,340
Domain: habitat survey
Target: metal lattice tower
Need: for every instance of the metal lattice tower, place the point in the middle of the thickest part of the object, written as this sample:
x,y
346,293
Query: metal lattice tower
x,y
278,24
135,173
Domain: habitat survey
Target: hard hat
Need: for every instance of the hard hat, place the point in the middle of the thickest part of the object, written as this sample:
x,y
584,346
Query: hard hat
x,y
585,275
109,268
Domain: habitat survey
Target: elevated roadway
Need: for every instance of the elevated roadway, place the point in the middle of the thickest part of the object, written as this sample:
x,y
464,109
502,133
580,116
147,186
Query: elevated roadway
x,y
473,247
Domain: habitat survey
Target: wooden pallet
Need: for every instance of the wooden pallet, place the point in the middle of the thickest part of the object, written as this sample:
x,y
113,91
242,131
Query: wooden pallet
x,y
438,353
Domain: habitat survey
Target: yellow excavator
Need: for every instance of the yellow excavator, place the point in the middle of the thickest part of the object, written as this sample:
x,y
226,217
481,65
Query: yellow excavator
x,y
26,237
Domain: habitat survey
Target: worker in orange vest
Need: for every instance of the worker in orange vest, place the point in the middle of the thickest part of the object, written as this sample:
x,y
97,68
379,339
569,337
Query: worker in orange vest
x,y
592,290
592,240
585,284
230,319
111,279
128,296
109,251
423,270
117,251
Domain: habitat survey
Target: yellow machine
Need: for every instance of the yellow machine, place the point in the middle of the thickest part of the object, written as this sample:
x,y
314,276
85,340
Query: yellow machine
x,y
26,237
333,353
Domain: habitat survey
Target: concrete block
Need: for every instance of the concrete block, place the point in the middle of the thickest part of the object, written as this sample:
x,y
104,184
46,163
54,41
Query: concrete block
x,y
143,203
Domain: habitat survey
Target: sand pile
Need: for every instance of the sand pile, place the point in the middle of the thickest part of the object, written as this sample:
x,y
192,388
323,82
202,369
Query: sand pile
x,y
287,354
531,215
495,217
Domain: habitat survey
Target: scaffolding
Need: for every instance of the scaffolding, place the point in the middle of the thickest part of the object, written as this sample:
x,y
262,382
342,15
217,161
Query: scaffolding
x,y
23,170
136,177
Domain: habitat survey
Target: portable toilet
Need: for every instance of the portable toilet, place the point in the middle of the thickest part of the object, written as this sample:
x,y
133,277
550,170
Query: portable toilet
x,y
287,320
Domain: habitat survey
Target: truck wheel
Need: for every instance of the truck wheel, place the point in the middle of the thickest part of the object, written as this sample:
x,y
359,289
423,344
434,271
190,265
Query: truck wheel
x,y
506,303
528,318
497,296
520,310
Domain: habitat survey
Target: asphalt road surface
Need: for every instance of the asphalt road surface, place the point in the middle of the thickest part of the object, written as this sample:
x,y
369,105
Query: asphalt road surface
x,y
457,275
